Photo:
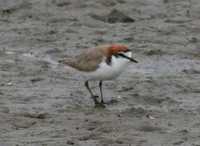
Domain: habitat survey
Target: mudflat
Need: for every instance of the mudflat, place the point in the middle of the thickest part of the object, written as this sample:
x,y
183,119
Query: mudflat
x,y
154,103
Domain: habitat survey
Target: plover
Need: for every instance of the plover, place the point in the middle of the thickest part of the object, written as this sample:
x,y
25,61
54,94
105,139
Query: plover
x,y
105,62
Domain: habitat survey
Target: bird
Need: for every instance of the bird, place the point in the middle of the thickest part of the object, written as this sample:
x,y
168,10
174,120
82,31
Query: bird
x,y
100,63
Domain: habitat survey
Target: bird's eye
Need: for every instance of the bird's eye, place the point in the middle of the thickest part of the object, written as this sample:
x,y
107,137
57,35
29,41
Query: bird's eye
x,y
127,50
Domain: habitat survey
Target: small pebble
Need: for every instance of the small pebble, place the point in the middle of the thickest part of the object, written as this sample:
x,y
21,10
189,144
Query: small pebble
x,y
150,117
9,83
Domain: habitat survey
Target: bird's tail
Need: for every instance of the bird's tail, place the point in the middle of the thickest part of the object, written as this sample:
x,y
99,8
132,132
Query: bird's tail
x,y
53,63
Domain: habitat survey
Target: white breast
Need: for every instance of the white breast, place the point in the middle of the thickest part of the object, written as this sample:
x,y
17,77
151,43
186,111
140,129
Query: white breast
x,y
108,72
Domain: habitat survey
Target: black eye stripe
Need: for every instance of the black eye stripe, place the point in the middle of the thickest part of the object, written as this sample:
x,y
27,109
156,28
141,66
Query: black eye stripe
x,y
116,55
127,57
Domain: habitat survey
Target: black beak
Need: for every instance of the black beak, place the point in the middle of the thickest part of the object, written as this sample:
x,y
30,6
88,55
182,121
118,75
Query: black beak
x,y
124,56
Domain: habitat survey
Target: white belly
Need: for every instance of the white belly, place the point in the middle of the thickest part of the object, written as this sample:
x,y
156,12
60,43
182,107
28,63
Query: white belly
x,y
108,72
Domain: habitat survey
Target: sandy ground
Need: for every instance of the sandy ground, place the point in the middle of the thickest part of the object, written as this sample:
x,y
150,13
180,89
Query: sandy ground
x,y
156,102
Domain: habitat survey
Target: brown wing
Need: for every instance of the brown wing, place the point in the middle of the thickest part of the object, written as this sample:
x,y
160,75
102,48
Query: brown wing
x,y
86,61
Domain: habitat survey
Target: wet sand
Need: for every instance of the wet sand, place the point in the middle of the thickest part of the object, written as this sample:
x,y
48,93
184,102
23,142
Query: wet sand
x,y
155,102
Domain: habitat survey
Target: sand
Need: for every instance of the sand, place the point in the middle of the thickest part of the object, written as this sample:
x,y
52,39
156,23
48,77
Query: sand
x,y
155,102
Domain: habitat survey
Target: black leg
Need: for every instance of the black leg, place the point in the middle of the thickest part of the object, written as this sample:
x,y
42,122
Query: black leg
x,y
100,87
92,95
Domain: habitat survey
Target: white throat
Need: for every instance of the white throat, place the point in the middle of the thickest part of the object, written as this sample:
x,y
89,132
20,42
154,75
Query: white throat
x,y
108,72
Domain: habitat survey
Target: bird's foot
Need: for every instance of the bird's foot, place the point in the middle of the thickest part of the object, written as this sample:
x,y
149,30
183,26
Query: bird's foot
x,y
102,102
95,97
111,102
99,105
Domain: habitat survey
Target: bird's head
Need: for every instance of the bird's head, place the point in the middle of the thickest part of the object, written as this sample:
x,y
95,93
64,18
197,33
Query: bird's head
x,y
119,50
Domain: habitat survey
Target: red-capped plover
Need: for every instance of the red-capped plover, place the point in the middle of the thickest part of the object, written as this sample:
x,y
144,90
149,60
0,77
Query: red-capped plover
x,y
105,62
